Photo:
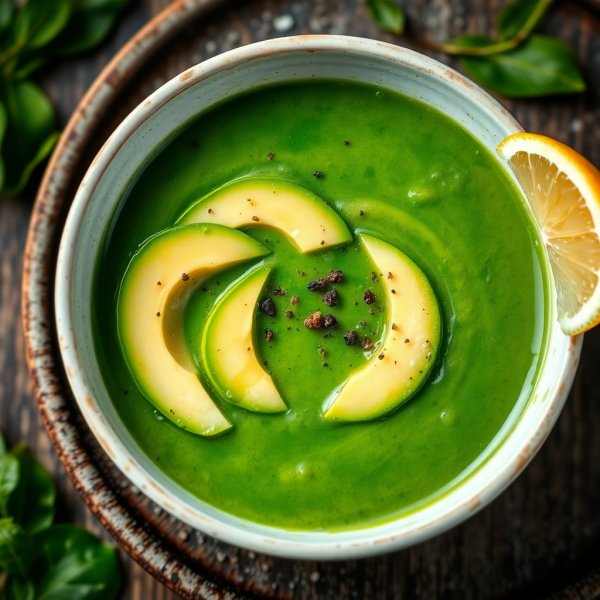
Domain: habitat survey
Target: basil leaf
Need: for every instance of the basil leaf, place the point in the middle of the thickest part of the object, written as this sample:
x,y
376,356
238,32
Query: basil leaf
x,y
30,122
40,21
521,17
3,120
74,564
540,66
7,8
20,589
28,65
90,23
32,502
387,15
16,548
43,152
9,478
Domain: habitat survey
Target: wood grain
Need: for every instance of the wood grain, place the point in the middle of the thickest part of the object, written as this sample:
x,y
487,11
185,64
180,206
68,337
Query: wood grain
x,y
543,533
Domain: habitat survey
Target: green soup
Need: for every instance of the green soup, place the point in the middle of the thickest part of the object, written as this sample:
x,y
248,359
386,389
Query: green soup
x,y
401,171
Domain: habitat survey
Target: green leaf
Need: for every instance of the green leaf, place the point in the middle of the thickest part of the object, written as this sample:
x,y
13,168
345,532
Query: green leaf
x,y
540,66
20,589
520,17
43,152
30,123
3,120
7,8
32,502
16,548
9,479
40,21
28,64
90,23
75,565
387,15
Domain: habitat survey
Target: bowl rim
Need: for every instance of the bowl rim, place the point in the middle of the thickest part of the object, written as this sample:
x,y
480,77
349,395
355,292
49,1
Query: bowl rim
x,y
298,548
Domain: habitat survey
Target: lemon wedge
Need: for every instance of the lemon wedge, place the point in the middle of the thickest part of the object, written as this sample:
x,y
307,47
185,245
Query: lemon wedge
x,y
563,190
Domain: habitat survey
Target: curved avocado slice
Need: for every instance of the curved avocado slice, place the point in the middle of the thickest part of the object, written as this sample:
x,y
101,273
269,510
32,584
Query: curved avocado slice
x,y
228,348
306,219
400,366
154,292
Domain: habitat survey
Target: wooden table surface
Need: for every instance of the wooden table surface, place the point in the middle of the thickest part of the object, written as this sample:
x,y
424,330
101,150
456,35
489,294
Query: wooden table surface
x,y
549,521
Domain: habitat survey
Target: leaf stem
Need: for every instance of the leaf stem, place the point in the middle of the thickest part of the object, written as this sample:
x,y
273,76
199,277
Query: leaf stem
x,y
503,46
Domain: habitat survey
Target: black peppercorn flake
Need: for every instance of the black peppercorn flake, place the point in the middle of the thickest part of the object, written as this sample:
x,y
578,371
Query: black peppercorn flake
x,y
381,356
330,321
331,298
393,291
313,321
289,314
210,210
366,343
406,341
295,300
335,276
322,242
371,312
269,307
350,338
270,156
346,143
158,283
394,326
325,364
322,351
158,314
318,174
373,277
301,273
362,213
369,297
185,276
390,276
269,335
318,284
278,291
255,218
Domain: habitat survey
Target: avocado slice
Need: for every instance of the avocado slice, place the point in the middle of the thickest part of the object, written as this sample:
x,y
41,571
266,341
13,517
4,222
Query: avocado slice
x,y
154,292
228,344
400,366
306,219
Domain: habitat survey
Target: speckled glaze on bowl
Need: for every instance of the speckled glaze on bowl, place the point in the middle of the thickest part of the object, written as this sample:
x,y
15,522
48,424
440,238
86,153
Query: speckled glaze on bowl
x,y
125,154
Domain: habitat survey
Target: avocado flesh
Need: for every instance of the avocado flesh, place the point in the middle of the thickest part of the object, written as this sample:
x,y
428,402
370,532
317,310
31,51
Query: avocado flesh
x,y
385,383
150,308
228,348
306,219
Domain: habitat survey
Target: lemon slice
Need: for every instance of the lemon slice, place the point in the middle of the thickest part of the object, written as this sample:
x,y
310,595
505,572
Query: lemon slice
x,y
563,189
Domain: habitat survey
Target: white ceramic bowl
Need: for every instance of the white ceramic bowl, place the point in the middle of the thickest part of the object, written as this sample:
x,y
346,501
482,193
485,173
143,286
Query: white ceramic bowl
x,y
125,154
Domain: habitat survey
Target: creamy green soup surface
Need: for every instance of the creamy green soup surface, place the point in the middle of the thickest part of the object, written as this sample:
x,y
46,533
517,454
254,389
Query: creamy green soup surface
x,y
392,168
